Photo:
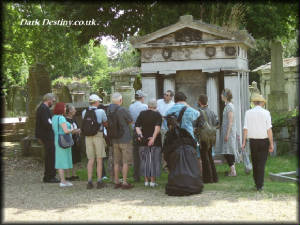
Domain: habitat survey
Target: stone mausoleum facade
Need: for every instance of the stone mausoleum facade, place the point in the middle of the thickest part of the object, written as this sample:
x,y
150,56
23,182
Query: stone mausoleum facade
x,y
195,57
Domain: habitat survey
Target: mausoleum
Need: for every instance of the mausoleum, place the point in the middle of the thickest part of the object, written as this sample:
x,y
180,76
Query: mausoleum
x,y
195,57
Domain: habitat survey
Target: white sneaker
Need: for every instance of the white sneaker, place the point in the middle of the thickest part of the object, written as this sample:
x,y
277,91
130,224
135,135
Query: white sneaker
x,y
153,184
147,184
67,184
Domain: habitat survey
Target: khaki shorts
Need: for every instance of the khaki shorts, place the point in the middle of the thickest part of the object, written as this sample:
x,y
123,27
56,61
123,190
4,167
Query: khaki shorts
x,y
122,153
95,146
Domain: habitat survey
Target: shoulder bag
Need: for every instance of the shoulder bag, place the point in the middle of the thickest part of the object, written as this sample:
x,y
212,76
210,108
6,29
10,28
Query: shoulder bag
x,y
64,140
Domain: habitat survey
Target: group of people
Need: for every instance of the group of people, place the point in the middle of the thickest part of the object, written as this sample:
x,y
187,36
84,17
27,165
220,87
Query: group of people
x,y
136,137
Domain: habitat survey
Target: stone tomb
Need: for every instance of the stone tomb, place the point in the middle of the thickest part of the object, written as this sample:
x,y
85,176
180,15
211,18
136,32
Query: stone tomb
x,y
195,57
122,82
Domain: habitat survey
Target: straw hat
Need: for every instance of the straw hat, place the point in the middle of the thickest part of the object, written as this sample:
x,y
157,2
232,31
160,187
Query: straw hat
x,y
257,98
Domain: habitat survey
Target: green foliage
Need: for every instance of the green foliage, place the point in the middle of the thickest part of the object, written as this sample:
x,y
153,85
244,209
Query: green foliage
x,y
127,56
64,81
282,119
272,20
96,67
137,85
124,19
25,45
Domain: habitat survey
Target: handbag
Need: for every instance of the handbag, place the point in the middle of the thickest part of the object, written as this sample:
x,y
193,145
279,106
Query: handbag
x,y
246,160
64,140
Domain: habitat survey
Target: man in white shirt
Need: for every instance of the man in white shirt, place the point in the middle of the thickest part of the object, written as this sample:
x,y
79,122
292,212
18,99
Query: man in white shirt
x,y
135,109
163,105
258,129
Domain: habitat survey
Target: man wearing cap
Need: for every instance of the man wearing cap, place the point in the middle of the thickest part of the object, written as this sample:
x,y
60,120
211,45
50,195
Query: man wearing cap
x,y
95,145
135,109
44,132
258,129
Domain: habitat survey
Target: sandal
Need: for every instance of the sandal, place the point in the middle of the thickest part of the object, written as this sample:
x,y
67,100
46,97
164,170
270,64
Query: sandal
x,y
127,186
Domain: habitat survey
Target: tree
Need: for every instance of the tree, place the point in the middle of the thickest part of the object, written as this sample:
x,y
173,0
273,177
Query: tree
x,y
127,56
268,22
24,46
121,20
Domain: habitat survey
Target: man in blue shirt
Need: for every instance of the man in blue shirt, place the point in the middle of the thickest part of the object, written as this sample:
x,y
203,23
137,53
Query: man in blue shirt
x,y
95,145
135,109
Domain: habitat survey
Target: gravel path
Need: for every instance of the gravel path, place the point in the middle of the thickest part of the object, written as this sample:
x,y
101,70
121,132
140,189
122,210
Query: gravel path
x,y
27,199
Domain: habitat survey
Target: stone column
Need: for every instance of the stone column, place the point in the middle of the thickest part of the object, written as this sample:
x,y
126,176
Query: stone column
x,y
149,87
277,99
169,84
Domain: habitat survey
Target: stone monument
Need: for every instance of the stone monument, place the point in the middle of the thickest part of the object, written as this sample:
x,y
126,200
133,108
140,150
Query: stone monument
x,y
278,98
63,93
37,76
122,81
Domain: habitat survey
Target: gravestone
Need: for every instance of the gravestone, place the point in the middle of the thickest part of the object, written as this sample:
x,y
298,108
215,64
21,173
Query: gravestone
x,y
63,94
122,81
277,99
127,93
37,76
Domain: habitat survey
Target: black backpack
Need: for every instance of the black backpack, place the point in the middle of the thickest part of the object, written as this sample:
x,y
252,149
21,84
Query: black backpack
x,y
173,122
90,126
114,128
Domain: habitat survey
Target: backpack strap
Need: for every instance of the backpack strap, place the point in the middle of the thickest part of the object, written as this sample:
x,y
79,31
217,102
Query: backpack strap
x,y
181,114
204,115
109,109
93,110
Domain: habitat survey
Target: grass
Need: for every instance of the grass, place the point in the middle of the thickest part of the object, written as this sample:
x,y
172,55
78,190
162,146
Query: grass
x,y
243,183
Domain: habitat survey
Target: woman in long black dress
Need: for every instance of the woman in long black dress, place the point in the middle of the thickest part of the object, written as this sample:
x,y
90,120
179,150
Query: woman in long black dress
x,y
76,157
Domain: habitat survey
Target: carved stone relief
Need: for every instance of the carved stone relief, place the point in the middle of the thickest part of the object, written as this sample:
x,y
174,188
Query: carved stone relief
x,y
210,51
166,53
230,50
188,34
147,54
165,39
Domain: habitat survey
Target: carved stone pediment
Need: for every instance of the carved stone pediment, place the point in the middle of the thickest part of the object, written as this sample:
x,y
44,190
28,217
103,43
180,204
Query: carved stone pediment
x,y
190,31
186,35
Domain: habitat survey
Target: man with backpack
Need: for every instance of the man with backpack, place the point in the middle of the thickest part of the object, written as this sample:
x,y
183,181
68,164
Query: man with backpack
x,y
93,123
206,133
118,130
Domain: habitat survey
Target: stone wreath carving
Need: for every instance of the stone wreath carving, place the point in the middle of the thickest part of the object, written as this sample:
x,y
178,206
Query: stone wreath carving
x,y
210,51
166,53
147,54
230,51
